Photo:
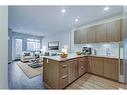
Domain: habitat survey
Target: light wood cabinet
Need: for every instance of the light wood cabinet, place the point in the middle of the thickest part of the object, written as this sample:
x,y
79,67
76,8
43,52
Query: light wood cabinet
x,y
72,70
95,65
77,37
91,34
124,28
107,67
83,36
51,73
90,65
113,31
111,68
100,33
98,65
81,65
63,74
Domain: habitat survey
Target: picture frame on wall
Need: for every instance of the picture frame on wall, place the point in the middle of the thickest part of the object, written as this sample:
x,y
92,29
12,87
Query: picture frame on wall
x,y
53,45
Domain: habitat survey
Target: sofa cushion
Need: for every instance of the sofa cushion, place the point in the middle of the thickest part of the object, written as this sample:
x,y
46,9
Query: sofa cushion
x,y
27,54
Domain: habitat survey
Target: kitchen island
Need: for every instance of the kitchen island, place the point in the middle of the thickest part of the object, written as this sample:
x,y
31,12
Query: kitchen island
x,y
60,72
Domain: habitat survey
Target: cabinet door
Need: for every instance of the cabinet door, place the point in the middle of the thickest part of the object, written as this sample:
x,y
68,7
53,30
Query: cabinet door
x,y
113,31
100,35
90,65
111,68
51,73
124,28
81,66
88,69
77,37
72,70
91,35
83,35
98,65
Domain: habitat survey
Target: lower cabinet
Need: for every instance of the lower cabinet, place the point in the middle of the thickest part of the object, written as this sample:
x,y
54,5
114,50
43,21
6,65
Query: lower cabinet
x,y
72,70
90,65
97,65
82,65
63,74
111,68
107,67
59,74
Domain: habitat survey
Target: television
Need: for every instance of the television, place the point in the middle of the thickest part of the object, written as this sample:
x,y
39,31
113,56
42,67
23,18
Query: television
x,y
53,45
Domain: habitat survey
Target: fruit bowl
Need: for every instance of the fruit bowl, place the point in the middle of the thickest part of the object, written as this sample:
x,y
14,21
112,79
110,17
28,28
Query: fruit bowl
x,y
63,55
78,53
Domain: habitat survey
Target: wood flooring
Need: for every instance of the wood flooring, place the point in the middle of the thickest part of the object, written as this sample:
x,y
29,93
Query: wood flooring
x,y
89,81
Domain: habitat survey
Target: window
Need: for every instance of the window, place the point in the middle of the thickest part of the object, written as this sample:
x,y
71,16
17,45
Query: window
x,y
33,45
18,46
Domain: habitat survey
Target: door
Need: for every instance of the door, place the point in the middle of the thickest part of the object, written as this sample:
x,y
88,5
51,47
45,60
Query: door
x,y
18,48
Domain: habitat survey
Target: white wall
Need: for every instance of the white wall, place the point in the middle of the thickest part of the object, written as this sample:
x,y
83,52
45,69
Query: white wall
x,y
3,47
63,38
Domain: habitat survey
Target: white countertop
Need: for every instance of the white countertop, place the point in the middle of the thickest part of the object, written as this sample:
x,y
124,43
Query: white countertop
x,y
73,55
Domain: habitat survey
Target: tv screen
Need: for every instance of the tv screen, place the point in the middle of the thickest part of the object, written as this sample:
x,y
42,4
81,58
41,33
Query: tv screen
x,y
53,45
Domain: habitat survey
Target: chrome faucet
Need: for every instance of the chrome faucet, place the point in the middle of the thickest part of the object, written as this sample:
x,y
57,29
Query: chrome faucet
x,y
108,52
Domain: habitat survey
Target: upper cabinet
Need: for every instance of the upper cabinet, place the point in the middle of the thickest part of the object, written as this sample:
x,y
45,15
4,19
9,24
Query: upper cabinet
x,y
101,33
113,31
107,32
91,34
124,28
77,37
83,36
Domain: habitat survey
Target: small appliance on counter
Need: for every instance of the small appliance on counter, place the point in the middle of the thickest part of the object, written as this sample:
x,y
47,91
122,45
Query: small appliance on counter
x,y
86,51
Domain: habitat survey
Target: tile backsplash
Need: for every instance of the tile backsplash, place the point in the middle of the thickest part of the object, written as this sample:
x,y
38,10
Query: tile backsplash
x,y
112,49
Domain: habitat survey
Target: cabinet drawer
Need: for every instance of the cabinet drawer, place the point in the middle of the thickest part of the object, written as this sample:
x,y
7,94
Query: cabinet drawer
x,y
63,69
63,81
81,70
81,59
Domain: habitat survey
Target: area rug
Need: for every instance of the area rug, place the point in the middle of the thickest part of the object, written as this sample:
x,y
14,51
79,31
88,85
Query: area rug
x,y
29,71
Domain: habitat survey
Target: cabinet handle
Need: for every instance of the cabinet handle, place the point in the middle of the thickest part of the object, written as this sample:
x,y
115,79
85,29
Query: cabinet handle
x,y
64,66
65,76
82,67
81,61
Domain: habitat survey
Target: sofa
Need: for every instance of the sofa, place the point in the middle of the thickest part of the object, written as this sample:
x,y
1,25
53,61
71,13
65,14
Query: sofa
x,y
27,56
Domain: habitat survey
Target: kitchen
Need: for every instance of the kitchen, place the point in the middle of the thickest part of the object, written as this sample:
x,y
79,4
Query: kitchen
x,y
102,44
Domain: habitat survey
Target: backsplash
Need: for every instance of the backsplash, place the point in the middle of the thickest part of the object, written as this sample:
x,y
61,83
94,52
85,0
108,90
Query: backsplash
x,y
112,49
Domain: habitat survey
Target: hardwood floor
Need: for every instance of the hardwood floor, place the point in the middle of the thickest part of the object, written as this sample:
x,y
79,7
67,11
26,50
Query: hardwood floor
x,y
18,80
89,81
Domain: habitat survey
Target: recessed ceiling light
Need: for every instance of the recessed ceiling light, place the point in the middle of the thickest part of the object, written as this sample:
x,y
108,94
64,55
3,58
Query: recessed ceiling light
x,y
76,20
106,8
63,10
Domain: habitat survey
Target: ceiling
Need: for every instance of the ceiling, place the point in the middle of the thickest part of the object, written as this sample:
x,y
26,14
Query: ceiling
x,y
44,20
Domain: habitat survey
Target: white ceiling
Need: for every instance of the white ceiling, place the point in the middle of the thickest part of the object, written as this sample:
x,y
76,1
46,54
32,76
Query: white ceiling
x,y
44,20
